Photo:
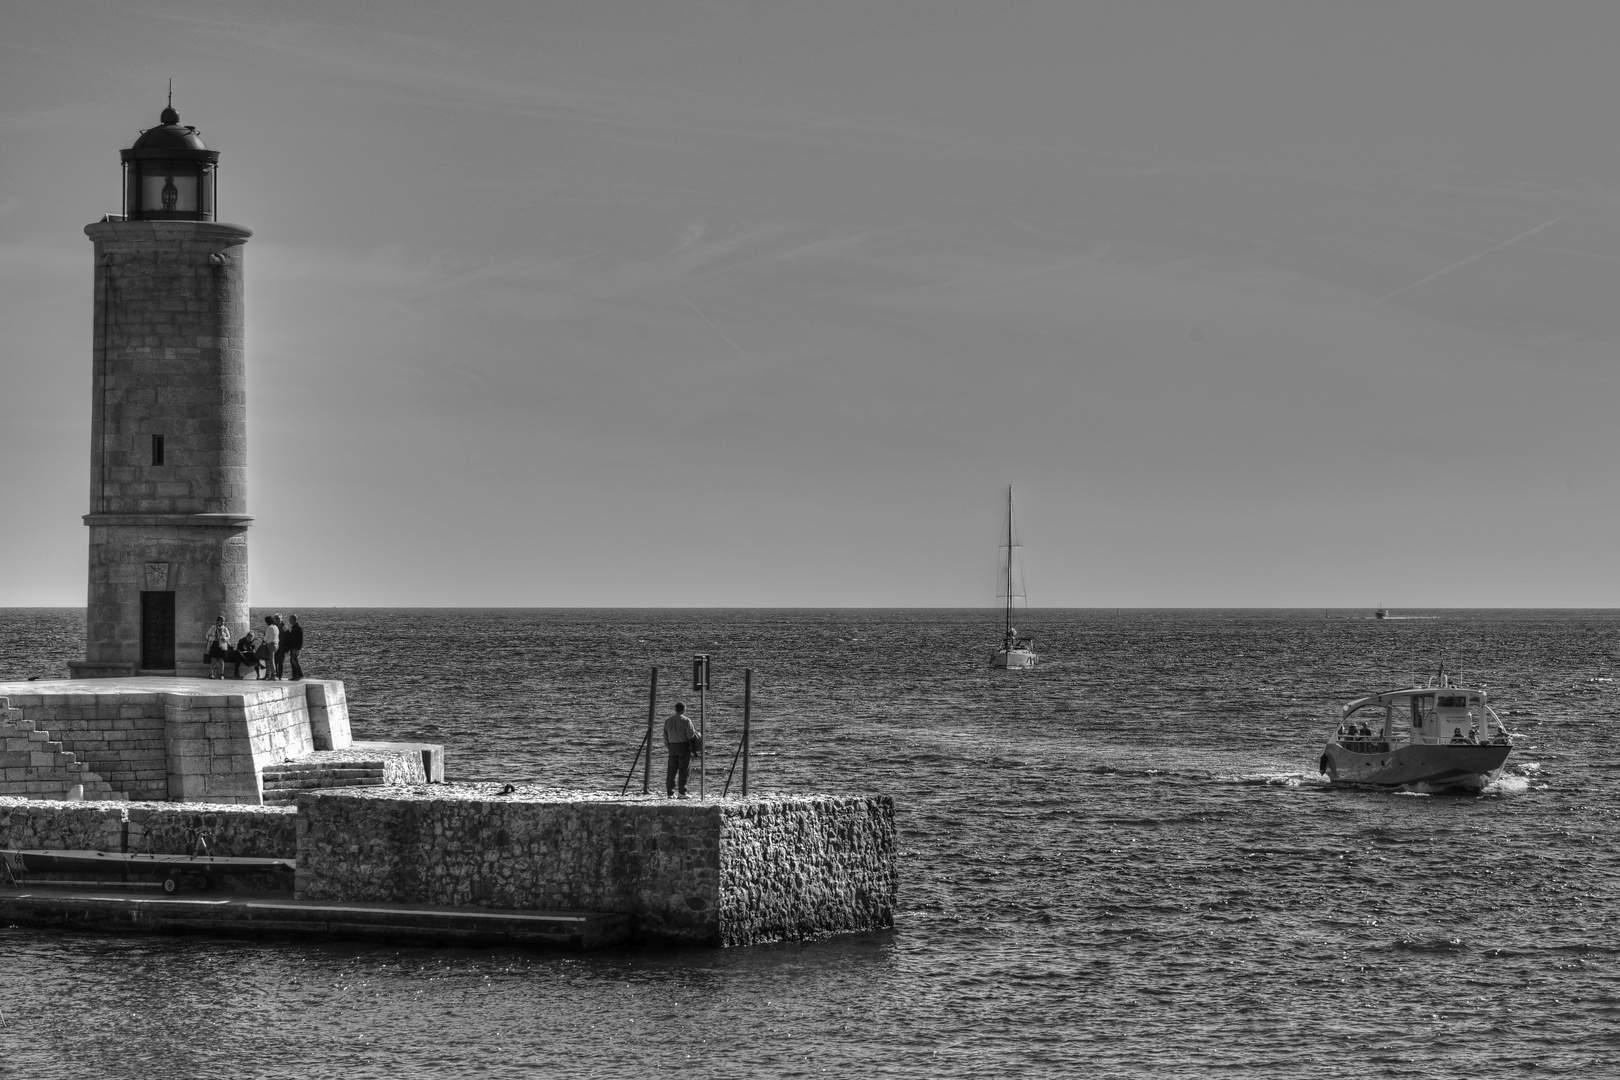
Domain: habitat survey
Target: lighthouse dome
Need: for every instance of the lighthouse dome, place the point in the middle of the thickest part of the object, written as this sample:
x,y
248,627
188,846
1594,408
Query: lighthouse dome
x,y
169,135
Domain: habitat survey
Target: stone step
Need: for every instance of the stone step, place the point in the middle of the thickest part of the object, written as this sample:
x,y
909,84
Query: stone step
x,y
310,783
51,778
282,772
276,796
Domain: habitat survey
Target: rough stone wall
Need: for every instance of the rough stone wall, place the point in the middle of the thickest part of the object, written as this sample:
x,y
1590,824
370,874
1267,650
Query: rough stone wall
x,y
690,872
266,832
534,849
802,867
61,826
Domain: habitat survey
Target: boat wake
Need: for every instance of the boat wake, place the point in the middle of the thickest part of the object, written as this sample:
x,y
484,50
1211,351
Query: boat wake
x,y
1273,779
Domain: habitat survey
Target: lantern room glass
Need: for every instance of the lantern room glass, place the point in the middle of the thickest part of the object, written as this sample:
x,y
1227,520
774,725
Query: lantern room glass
x,y
155,189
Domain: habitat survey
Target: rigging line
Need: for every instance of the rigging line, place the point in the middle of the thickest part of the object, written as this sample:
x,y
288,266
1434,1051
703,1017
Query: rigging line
x,y
713,327
1464,262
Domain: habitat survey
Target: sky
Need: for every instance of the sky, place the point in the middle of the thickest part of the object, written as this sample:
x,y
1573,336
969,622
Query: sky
x,y
688,303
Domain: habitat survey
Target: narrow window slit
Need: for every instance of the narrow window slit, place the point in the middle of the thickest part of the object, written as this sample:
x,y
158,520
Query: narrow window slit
x,y
157,449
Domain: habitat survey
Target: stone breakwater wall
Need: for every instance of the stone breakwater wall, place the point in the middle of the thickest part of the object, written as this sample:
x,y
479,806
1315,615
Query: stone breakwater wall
x,y
724,872
266,832
797,868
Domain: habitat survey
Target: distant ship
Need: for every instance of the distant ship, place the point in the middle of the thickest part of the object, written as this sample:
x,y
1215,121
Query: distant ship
x,y
1016,652
1381,613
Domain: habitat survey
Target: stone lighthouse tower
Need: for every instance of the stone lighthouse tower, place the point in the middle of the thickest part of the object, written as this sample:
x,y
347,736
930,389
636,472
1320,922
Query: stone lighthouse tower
x,y
168,434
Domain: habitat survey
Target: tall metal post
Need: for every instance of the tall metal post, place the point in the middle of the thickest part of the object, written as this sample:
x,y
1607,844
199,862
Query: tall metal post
x,y
748,700
700,683
652,713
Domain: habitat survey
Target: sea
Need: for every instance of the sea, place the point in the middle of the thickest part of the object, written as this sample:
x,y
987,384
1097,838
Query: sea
x,y
1122,863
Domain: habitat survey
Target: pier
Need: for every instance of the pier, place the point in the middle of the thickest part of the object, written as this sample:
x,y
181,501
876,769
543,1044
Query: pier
x,y
464,862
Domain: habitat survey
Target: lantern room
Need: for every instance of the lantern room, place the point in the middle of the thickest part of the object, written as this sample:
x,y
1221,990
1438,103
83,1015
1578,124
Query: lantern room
x,y
169,175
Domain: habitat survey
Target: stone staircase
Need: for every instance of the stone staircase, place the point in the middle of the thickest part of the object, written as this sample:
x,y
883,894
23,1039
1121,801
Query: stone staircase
x,y
282,783
35,766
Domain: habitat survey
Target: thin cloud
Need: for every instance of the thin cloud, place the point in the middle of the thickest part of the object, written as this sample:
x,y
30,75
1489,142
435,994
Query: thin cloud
x,y
1463,262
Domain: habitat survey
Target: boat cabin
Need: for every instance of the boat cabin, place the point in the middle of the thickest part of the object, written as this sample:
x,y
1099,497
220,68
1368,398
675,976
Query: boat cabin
x,y
1430,715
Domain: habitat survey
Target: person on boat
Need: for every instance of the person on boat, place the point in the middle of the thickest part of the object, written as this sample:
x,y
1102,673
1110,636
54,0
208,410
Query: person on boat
x,y
678,736
1457,735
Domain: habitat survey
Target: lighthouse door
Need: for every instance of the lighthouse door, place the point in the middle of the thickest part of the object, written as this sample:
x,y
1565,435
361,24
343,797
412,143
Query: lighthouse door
x,y
157,631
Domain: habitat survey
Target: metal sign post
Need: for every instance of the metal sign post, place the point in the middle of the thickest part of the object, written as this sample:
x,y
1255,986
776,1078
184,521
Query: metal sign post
x,y
700,683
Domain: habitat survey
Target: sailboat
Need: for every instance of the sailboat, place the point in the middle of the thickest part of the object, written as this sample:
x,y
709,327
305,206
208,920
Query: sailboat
x,y
1015,652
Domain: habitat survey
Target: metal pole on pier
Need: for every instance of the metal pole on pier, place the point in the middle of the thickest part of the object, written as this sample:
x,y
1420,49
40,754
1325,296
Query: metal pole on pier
x,y
700,683
742,744
652,713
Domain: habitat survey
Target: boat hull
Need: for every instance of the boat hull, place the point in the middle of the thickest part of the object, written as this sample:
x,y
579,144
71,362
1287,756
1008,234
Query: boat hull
x,y
108,866
1012,659
1457,765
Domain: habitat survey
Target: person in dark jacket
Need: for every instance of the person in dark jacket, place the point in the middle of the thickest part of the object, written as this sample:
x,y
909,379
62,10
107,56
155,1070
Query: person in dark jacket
x,y
292,641
678,736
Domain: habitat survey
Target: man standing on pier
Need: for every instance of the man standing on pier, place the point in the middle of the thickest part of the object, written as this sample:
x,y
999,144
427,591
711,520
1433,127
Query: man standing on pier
x,y
678,736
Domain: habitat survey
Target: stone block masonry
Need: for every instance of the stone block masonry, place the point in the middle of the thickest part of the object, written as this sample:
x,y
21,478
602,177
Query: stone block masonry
x,y
193,740
168,370
731,872
33,764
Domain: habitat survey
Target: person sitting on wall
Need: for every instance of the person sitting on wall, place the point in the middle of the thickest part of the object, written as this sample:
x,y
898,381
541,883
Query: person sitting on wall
x,y
246,652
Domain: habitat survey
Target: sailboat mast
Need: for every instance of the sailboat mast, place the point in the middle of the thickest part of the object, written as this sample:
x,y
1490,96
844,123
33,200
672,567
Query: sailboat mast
x,y
1008,629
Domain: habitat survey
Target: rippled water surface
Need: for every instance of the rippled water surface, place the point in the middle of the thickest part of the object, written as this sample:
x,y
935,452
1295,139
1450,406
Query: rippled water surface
x,y
1121,863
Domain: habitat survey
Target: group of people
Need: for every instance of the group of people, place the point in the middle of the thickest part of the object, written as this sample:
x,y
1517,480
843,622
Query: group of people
x,y
267,651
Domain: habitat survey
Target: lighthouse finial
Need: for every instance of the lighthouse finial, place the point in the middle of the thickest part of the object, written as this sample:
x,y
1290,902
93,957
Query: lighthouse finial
x,y
169,115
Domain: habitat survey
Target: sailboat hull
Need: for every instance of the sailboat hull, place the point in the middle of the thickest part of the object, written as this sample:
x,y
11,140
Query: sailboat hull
x,y
1012,659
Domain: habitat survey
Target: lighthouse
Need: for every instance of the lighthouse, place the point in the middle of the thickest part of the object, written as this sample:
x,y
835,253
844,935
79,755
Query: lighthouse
x,y
168,433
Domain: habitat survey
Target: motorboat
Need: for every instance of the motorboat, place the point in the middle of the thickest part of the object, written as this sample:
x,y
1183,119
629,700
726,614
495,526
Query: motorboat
x,y
1016,651
1442,735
